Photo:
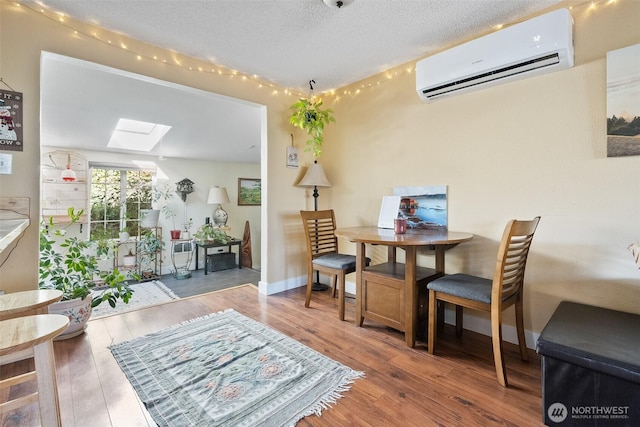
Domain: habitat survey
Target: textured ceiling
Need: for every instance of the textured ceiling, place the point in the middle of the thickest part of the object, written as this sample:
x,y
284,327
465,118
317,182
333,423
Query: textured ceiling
x,y
286,42
289,42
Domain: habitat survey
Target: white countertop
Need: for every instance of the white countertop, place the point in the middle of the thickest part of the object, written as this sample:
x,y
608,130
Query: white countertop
x,y
11,228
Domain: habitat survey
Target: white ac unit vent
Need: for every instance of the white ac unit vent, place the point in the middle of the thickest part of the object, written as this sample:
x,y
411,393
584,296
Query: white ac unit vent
x,y
537,46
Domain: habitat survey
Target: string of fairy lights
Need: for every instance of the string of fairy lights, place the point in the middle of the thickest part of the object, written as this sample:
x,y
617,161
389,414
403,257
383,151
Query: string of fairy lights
x,y
175,59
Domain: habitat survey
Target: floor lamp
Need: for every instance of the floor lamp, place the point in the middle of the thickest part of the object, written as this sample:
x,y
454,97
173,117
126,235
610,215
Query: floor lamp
x,y
315,177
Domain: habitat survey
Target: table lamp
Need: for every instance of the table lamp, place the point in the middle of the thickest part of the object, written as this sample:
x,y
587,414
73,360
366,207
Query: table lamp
x,y
218,196
315,177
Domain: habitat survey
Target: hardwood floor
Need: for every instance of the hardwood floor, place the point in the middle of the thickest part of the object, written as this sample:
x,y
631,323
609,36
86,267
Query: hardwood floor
x,y
402,387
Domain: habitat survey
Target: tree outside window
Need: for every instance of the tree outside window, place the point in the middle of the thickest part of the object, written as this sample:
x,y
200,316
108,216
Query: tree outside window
x,y
117,196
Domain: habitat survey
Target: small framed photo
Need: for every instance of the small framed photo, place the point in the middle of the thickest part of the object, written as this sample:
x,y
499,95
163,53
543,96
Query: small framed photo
x,y
292,157
249,192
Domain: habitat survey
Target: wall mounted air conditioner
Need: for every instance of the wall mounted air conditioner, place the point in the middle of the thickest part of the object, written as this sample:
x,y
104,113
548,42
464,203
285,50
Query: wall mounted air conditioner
x,y
537,46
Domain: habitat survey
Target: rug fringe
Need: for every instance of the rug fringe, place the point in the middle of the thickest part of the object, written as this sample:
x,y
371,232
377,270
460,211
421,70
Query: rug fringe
x,y
331,398
165,289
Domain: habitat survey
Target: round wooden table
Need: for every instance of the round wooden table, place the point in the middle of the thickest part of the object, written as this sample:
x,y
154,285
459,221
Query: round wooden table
x,y
388,293
27,302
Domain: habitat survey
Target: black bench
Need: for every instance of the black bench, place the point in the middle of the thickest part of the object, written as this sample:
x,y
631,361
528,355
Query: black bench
x,y
590,367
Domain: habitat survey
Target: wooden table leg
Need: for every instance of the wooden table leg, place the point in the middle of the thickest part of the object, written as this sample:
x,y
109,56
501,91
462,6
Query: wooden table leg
x,y
47,386
440,269
361,264
410,296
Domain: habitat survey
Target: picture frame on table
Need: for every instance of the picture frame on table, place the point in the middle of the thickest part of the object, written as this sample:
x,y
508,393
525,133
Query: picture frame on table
x,y
249,192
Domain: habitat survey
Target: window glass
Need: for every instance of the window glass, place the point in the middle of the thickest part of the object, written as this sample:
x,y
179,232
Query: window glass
x,y
117,195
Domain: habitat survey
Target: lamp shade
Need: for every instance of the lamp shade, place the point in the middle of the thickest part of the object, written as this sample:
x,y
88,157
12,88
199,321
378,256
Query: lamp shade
x,y
314,177
217,195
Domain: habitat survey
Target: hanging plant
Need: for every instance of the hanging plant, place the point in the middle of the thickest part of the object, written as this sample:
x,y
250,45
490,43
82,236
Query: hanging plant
x,y
309,115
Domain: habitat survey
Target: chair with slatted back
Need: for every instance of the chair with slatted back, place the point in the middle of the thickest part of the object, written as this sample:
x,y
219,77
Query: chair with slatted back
x,y
493,296
323,255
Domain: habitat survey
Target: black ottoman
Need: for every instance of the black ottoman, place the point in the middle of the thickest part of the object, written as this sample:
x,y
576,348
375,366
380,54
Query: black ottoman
x,y
590,367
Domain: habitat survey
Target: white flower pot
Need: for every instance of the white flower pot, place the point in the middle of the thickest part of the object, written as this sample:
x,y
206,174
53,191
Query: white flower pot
x,y
78,311
129,260
149,217
124,236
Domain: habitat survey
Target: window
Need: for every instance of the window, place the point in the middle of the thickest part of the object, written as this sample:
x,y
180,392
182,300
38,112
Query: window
x,y
117,195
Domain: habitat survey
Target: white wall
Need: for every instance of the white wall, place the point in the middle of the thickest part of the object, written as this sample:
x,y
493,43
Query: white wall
x,y
203,174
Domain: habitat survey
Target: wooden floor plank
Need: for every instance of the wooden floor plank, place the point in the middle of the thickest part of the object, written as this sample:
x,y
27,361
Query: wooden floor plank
x,y
402,386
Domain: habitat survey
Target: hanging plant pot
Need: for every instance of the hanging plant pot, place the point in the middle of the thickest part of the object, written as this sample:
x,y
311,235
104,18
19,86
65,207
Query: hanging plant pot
x,y
309,116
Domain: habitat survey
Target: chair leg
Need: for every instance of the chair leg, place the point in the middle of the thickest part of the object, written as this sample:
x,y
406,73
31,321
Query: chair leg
x,y
309,287
433,320
340,282
334,285
524,353
498,352
459,312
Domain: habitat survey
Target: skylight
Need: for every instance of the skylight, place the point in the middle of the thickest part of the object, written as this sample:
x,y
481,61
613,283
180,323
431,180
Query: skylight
x,y
136,135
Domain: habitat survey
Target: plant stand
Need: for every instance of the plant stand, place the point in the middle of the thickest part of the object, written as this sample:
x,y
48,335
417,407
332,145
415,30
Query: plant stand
x,y
181,267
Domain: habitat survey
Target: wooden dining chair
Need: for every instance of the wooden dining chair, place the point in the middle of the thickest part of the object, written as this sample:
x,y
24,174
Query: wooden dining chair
x,y
323,255
493,296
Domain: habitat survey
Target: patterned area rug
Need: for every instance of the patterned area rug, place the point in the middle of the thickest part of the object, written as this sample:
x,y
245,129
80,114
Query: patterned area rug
x,y
144,295
228,370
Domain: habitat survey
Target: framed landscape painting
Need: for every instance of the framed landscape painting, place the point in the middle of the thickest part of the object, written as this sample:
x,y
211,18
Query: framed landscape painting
x,y
424,207
623,102
249,192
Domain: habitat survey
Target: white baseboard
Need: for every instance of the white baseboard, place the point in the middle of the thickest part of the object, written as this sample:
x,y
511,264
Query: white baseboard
x,y
265,288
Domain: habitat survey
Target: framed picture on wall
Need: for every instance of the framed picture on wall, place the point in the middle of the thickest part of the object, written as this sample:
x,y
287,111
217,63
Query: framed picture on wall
x,y
11,120
623,102
249,192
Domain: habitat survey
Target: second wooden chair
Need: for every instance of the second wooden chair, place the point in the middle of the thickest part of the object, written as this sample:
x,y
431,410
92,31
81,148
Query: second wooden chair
x,y
323,255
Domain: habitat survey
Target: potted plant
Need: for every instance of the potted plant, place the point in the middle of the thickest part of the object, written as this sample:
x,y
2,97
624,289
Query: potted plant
x,y
309,115
159,193
148,247
209,233
171,214
105,249
186,233
66,264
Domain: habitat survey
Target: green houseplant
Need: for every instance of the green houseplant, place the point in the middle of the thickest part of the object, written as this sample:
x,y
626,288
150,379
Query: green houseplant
x,y
309,115
208,233
67,264
149,246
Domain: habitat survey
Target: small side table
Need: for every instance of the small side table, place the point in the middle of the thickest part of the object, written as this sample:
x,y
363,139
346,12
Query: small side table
x,y
182,267
207,245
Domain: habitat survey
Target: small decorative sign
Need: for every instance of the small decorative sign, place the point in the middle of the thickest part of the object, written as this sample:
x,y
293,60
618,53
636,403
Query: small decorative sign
x,y
292,157
11,120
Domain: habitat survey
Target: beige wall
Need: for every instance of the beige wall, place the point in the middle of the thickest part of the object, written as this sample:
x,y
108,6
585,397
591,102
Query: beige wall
x,y
533,147
527,148
24,33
